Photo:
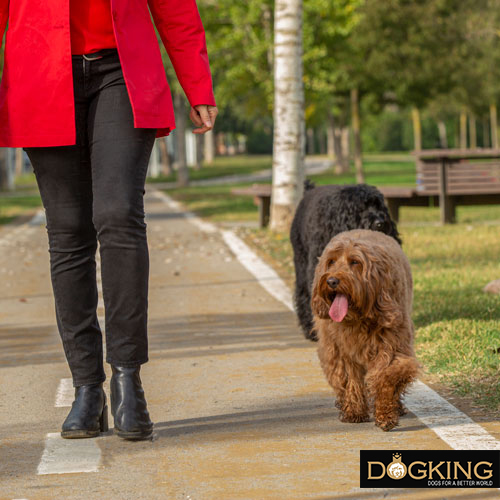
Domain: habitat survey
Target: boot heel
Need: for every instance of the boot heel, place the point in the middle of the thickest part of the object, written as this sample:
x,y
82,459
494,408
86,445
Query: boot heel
x,y
103,421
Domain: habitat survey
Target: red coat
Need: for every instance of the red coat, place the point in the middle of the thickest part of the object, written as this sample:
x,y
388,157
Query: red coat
x,y
36,91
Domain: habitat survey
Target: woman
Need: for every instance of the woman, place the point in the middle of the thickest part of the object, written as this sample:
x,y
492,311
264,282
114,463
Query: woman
x,y
84,92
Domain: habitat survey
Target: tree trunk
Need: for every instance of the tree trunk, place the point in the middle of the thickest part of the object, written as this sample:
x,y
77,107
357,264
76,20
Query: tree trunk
x,y
336,150
494,126
267,21
289,122
209,147
322,142
311,147
472,131
180,140
356,130
199,151
220,142
19,162
4,175
341,151
443,136
486,133
330,136
166,166
463,130
417,129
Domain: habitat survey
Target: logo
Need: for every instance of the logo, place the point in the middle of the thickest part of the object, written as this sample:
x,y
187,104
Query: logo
x,y
396,469
430,469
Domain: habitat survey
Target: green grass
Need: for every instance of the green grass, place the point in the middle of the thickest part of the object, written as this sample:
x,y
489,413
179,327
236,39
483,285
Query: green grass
x,y
458,325
217,203
14,206
24,200
222,166
378,172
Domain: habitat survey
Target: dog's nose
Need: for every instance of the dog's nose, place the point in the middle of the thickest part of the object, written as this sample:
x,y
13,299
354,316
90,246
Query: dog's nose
x,y
332,282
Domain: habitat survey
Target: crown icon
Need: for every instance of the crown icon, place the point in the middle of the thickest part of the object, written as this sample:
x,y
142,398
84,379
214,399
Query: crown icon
x,y
396,469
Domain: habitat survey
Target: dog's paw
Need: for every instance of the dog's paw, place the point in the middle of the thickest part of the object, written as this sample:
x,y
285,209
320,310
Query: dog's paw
x,y
402,410
312,335
387,424
354,418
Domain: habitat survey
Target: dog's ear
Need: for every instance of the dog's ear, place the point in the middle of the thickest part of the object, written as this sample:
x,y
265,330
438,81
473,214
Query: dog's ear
x,y
318,304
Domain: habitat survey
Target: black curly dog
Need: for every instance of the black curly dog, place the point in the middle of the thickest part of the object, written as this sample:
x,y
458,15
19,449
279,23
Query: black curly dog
x,y
322,213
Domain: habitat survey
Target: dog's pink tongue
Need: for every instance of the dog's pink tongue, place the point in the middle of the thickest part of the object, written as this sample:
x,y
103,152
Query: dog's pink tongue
x,y
339,307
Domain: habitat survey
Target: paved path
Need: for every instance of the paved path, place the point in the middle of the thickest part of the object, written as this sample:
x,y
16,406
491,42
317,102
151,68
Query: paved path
x,y
241,408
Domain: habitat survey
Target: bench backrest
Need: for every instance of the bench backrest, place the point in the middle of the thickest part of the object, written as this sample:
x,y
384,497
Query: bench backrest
x,y
462,177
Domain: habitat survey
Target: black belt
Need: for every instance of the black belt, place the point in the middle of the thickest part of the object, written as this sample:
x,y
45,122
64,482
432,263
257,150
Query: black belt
x,y
98,54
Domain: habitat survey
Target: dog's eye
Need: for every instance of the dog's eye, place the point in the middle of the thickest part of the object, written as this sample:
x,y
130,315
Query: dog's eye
x,y
331,262
354,262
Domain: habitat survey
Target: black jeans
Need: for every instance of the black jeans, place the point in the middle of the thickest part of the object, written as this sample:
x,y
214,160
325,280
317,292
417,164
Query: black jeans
x,y
93,192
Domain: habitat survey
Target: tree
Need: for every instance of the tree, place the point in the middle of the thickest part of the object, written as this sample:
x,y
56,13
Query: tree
x,y
289,124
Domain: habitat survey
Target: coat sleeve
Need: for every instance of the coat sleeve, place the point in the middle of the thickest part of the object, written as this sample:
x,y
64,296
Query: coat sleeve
x,y
4,14
181,31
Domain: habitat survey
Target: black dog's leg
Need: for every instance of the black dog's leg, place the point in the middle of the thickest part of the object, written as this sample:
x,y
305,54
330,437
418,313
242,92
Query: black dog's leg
x,y
306,315
303,306
302,289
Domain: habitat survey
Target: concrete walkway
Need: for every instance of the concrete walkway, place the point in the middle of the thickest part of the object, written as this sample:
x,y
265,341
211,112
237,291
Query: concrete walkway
x,y
240,405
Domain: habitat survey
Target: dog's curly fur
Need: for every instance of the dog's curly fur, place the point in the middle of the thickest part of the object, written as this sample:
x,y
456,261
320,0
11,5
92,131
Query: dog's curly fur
x,y
368,357
322,213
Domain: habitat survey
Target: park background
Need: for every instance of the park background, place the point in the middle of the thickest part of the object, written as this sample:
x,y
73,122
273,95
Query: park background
x,y
375,81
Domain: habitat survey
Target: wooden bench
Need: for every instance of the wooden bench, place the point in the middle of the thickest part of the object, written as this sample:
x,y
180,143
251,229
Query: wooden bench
x,y
448,178
445,177
396,197
261,194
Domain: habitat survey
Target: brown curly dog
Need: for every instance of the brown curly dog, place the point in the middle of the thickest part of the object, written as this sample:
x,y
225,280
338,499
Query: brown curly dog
x,y
362,300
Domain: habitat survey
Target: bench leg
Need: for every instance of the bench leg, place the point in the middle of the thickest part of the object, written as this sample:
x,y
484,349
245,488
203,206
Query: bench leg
x,y
264,211
447,209
393,206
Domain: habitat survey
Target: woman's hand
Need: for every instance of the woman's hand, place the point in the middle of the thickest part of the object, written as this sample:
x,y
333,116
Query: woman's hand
x,y
203,116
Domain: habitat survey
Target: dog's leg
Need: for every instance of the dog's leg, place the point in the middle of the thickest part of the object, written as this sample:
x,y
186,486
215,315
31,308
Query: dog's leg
x,y
333,368
302,293
386,384
354,406
402,410
347,383
303,307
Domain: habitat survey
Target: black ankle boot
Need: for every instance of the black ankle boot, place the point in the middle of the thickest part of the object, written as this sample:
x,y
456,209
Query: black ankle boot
x,y
128,404
88,415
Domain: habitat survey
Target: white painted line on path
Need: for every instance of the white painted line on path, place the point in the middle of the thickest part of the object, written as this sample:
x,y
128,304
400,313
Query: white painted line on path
x,y
65,456
65,393
206,227
449,423
266,275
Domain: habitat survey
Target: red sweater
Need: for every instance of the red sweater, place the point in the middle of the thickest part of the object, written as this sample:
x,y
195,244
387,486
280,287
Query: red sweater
x,y
91,26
